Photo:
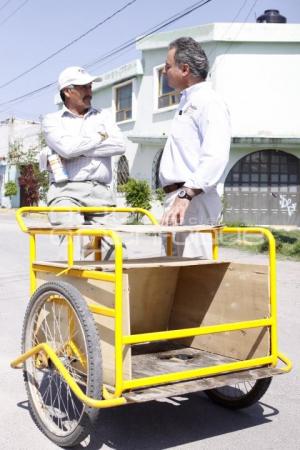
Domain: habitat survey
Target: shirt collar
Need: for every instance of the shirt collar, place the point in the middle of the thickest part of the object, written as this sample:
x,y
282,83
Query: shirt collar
x,y
66,111
186,93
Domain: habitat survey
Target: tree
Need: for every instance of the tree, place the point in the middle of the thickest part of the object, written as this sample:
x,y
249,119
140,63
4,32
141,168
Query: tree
x,y
34,182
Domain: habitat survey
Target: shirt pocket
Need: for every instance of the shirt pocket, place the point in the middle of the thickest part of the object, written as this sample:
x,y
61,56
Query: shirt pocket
x,y
185,131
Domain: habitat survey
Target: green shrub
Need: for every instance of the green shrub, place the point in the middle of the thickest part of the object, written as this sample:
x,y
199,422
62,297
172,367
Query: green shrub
x,y
10,189
265,245
284,242
284,237
160,195
137,195
287,242
295,249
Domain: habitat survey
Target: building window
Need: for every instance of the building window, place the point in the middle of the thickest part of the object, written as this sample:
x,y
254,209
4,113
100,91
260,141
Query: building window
x,y
123,102
155,170
122,172
166,95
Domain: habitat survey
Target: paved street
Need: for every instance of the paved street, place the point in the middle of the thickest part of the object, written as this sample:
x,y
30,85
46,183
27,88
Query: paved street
x,y
188,422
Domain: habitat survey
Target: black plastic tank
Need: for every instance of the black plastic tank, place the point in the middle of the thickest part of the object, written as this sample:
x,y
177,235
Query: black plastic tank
x,y
271,16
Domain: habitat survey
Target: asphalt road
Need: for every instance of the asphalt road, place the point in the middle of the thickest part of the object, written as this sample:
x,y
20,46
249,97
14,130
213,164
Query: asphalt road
x,y
188,422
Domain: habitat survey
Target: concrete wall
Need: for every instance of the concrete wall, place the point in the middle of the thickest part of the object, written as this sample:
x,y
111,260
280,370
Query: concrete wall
x,y
10,174
2,182
260,83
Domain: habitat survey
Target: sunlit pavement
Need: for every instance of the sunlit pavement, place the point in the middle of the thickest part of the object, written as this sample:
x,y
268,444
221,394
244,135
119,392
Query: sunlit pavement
x,y
188,422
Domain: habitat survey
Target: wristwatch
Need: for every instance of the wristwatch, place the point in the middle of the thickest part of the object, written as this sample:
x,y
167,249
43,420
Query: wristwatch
x,y
183,194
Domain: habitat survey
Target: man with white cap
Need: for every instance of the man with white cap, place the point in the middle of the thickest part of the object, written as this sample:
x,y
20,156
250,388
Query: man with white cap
x,y
84,139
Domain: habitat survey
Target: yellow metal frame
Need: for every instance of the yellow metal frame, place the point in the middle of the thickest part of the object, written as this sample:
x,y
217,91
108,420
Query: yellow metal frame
x,y
121,385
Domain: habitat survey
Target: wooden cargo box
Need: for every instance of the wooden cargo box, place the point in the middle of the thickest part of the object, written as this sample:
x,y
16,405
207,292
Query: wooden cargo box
x,y
167,294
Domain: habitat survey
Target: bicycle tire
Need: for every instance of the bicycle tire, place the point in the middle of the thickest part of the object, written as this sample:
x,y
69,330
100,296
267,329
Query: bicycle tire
x,y
54,408
233,397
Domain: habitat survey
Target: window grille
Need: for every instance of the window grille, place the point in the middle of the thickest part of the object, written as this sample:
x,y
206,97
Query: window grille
x,y
265,168
122,171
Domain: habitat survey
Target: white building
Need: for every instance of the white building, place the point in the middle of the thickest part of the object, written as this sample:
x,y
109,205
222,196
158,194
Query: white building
x,y
256,68
15,132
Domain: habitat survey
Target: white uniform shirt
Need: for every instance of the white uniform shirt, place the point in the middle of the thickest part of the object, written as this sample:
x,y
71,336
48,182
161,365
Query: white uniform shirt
x,y
197,149
77,140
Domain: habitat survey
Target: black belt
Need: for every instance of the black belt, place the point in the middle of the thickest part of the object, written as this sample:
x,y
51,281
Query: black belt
x,y
82,181
172,187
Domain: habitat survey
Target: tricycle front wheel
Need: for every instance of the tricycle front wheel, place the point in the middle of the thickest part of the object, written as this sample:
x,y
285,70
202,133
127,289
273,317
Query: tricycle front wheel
x,y
58,316
240,395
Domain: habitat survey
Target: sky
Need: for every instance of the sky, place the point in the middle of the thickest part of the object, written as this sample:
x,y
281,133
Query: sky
x,y
33,30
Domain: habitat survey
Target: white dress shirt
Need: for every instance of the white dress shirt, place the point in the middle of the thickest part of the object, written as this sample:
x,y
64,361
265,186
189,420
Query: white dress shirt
x,y
77,140
197,149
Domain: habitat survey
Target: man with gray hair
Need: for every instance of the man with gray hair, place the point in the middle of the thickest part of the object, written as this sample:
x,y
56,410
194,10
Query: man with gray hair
x,y
197,149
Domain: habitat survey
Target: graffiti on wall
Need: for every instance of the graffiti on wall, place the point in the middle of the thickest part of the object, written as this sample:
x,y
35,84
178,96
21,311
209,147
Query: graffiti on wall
x,y
286,203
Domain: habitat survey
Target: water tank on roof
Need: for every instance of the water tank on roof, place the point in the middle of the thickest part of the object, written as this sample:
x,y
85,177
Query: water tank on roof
x,y
271,16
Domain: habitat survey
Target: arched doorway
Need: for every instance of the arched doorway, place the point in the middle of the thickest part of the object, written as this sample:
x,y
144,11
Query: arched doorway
x,y
155,170
263,188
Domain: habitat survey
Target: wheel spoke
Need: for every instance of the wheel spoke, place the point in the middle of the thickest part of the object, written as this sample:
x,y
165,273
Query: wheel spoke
x,y
57,315
55,396
240,395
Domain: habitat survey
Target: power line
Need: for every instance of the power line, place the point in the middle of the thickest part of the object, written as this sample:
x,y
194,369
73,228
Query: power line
x,y
14,12
21,97
238,32
67,45
122,47
6,3
244,3
151,31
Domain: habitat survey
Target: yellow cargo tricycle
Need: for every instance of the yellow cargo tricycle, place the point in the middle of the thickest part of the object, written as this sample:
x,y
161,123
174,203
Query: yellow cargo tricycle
x,y
104,333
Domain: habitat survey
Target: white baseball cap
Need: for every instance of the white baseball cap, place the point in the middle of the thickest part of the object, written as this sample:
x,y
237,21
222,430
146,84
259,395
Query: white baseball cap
x,y
75,75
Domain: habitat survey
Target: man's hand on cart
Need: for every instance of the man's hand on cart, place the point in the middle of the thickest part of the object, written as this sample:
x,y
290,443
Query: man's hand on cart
x,y
175,215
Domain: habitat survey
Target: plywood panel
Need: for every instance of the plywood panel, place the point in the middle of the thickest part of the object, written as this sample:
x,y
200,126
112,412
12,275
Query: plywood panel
x,y
141,229
151,298
102,292
202,384
159,261
224,293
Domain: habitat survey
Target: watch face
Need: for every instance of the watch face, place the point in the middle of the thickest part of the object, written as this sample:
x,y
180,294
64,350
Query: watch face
x,y
184,194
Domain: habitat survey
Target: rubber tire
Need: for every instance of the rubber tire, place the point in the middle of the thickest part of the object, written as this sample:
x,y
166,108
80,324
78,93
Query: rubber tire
x,y
258,390
94,388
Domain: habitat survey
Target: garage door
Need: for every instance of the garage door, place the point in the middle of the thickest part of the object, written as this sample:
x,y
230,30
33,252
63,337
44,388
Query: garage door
x,y
263,188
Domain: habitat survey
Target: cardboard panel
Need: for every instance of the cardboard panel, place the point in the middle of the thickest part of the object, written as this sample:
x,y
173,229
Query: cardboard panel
x,y
138,263
151,297
223,293
102,292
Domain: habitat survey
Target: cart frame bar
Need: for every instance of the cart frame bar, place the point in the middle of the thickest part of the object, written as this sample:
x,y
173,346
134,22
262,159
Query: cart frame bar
x,y
115,398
